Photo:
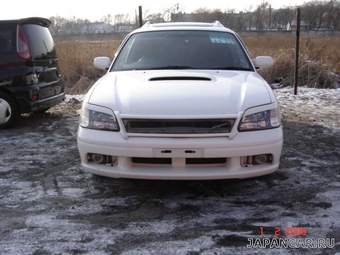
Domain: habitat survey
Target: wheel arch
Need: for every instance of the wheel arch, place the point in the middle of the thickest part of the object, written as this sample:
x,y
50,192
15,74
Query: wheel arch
x,y
13,111
9,93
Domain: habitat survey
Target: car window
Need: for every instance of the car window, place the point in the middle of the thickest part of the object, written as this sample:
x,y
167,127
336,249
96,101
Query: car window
x,y
7,38
40,41
182,50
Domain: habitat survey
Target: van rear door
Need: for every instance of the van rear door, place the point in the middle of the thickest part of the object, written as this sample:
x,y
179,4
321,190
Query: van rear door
x,y
44,57
42,49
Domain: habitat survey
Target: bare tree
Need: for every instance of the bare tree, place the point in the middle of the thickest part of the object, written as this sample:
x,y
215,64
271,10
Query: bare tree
x,y
335,19
74,25
226,18
332,14
321,10
260,15
121,19
321,14
249,15
174,13
202,15
120,22
241,20
309,14
88,27
108,19
207,15
317,14
155,18
57,23
282,17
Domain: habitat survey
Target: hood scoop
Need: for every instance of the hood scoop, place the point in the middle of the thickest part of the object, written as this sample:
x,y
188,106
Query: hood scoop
x,y
180,78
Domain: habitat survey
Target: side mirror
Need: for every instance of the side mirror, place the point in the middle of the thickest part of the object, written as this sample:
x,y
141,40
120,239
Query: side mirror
x,y
263,62
102,62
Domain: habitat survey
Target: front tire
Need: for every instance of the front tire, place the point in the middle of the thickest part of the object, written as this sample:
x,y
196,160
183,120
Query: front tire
x,y
9,112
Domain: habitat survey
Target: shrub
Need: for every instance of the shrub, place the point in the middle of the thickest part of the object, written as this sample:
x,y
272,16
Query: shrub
x,y
319,59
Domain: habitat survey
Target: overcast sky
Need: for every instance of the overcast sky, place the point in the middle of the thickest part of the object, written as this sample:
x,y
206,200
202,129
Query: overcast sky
x,y
95,10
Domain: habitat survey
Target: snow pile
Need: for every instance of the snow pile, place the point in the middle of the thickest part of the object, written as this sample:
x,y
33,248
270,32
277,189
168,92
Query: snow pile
x,y
318,106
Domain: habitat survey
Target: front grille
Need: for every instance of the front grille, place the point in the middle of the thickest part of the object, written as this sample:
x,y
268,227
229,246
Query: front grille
x,y
187,126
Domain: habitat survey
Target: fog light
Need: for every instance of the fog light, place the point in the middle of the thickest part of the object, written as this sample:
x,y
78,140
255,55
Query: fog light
x,y
101,159
261,159
98,158
256,160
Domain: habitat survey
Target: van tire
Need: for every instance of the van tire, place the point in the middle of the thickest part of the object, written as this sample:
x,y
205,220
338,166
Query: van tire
x,y
9,111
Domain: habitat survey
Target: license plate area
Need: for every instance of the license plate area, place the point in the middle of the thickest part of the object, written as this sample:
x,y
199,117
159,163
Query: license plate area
x,y
178,153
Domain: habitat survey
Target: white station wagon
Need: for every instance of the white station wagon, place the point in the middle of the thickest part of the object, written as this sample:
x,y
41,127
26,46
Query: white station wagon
x,y
181,101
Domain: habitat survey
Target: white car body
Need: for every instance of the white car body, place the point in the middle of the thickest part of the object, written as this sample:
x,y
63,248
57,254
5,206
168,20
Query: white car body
x,y
173,100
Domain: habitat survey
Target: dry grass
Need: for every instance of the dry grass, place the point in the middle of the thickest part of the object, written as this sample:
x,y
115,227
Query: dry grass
x,y
312,48
318,63
319,60
76,62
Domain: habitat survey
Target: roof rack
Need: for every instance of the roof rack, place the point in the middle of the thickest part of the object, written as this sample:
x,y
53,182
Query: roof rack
x,y
179,24
217,24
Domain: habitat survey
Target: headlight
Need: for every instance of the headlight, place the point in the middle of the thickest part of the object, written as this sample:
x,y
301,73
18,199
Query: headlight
x,y
98,120
260,120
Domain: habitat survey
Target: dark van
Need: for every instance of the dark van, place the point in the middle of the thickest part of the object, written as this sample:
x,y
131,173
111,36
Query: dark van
x,y
29,77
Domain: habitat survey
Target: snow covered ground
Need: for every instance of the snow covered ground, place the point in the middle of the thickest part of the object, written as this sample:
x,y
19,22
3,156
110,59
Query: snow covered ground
x,y
48,205
318,106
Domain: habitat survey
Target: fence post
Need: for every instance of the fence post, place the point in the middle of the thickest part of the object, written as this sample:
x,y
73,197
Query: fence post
x,y
140,16
297,51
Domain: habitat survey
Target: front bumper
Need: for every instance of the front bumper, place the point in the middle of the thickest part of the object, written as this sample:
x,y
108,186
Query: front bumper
x,y
243,144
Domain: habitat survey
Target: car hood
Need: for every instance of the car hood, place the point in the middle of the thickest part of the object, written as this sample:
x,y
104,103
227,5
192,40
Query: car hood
x,y
174,93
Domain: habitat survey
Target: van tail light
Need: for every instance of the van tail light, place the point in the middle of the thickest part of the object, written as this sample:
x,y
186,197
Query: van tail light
x,y
22,45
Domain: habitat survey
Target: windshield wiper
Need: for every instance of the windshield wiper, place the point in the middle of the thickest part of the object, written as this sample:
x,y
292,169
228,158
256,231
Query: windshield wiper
x,y
237,68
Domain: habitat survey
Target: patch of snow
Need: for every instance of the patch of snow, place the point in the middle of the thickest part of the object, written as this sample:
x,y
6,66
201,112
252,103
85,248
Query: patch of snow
x,y
79,97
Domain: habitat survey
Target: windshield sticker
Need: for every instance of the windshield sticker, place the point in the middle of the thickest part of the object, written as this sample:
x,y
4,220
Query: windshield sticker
x,y
219,38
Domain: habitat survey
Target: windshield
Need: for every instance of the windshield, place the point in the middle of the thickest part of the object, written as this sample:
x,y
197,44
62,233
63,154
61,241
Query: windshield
x,y
182,50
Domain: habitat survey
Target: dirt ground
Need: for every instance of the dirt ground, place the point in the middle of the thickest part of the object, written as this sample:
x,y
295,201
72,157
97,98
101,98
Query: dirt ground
x,y
48,205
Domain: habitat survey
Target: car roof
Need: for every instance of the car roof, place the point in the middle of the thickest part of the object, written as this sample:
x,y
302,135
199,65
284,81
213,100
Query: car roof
x,y
215,26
